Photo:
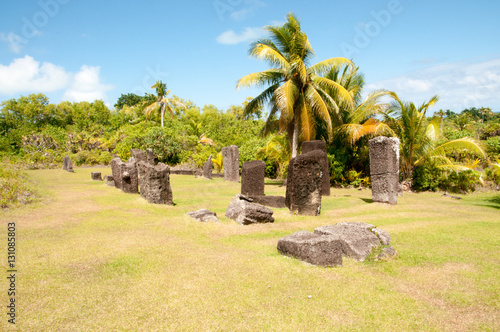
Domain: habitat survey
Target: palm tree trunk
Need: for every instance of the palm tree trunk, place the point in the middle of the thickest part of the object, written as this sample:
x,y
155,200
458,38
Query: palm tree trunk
x,y
162,112
295,138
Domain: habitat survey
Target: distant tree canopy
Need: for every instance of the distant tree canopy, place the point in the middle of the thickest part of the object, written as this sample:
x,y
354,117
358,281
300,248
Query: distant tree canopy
x,y
131,99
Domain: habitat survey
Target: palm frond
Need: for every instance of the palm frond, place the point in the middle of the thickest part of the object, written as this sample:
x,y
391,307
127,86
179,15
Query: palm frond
x,y
323,67
263,78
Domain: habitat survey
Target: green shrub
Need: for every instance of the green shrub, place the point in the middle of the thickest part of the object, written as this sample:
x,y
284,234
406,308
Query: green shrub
x,y
493,146
165,143
427,177
15,187
461,182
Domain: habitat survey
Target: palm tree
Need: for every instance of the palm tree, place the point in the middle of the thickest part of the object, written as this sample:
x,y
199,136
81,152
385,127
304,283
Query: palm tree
x,y
354,121
294,90
418,137
162,102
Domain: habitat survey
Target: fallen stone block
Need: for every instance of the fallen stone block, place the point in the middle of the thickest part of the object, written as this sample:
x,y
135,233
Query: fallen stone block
x,y
312,248
245,212
96,176
328,244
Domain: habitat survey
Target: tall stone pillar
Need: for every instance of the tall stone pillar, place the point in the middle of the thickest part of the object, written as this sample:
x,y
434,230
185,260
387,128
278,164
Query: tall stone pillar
x,y
384,169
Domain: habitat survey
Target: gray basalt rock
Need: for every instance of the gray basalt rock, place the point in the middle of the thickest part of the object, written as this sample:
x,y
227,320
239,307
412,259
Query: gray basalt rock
x,y
329,244
155,183
203,215
207,168
96,176
245,212
304,184
384,169
318,145
68,164
231,163
252,178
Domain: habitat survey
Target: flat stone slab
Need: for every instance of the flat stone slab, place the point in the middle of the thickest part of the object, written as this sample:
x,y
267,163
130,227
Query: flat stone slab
x,y
312,248
328,244
203,215
245,212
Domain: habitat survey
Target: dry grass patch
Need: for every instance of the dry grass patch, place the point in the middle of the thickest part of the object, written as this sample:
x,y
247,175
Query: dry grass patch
x,y
93,258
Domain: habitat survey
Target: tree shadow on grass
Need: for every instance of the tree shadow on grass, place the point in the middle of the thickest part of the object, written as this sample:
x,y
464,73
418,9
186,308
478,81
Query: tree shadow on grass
x,y
367,200
493,202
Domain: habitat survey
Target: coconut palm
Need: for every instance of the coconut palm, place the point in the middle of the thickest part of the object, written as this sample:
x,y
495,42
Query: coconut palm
x,y
418,137
294,90
162,102
354,121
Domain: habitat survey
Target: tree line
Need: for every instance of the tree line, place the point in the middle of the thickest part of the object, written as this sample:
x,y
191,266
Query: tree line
x,y
299,102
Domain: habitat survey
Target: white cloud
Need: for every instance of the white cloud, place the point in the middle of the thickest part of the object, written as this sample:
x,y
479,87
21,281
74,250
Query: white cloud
x,y
14,42
230,37
86,86
463,84
26,75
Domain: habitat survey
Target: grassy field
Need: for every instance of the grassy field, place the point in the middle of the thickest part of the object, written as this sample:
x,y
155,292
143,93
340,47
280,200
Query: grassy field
x,y
91,258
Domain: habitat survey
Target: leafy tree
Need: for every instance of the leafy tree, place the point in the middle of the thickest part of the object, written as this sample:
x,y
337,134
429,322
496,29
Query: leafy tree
x,y
295,91
131,99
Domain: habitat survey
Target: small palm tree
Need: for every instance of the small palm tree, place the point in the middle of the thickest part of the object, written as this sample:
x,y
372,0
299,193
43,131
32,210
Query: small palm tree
x,y
295,90
162,102
277,150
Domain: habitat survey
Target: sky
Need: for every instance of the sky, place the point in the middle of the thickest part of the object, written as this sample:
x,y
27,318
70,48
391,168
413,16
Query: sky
x,y
83,50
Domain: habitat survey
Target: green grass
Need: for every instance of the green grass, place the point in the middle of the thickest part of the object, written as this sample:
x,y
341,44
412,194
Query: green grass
x,y
91,258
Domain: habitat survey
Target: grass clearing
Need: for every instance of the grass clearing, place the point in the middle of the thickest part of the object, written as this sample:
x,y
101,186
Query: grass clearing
x,y
92,258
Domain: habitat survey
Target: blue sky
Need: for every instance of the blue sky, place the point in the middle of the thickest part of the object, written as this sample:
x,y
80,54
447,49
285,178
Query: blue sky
x,y
85,49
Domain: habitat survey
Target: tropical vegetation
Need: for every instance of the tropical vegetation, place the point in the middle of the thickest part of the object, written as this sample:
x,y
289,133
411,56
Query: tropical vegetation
x,y
300,101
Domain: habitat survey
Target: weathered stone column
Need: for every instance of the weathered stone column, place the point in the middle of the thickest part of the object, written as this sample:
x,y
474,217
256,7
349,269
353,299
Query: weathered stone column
x,y
207,168
309,146
68,164
150,156
252,178
129,177
138,154
304,184
231,163
155,183
115,171
384,169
